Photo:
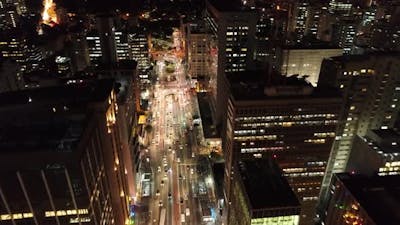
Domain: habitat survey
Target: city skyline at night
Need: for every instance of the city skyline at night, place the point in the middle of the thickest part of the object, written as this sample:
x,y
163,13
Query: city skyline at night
x,y
199,112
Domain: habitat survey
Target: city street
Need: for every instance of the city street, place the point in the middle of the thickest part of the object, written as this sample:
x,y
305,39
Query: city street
x,y
171,187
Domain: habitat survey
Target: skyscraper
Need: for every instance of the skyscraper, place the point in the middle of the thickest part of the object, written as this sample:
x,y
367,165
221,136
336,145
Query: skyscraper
x,y
61,156
285,119
234,27
370,90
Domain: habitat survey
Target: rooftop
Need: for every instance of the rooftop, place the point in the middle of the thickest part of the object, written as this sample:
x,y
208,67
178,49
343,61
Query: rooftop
x,y
379,196
209,128
259,85
265,186
384,140
80,92
364,57
48,119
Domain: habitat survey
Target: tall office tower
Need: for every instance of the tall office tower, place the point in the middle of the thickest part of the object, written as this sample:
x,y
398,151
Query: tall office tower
x,y
14,46
284,118
357,199
121,45
199,60
385,36
139,51
94,47
306,60
325,26
262,195
298,25
234,27
80,52
371,93
369,15
344,32
340,7
61,156
106,31
380,148
271,29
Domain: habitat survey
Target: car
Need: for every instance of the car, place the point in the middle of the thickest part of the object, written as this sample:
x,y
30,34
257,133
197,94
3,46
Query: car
x,y
162,183
191,171
160,203
159,169
158,192
181,201
180,176
169,195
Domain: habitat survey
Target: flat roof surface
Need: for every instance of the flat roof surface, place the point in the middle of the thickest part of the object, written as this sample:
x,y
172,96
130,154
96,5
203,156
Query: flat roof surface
x,y
250,85
79,92
209,128
265,186
364,57
48,119
387,133
378,196
382,140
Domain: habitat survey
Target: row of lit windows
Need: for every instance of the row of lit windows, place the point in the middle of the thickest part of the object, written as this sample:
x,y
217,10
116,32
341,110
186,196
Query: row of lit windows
x,y
66,212
362,71
305,174
281,220
263,137
325,134
289,124
285,117
253,150
315,141
237,28
79,220
15,216
293,170
313,198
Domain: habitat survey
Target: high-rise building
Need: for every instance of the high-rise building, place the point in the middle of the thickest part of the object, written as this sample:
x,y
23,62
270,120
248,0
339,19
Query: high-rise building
x,y
299,20
344,32
14,46
262,195
79,55
357,199
233,26
286,119
94,47
106,31
340,7
371,92
139,51
121,45
199,60
62,160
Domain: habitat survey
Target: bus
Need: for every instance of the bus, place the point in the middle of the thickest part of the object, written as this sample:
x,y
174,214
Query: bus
x,y
162,216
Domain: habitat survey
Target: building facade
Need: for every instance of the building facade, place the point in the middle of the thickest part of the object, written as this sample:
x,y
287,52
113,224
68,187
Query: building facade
x,y
62,161
370,90
292,123
262,196
357,199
